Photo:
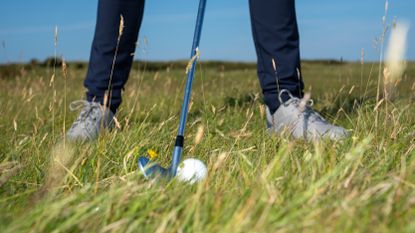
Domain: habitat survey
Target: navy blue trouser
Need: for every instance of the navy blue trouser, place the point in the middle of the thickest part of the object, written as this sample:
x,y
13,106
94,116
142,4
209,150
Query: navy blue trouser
x,y
274,28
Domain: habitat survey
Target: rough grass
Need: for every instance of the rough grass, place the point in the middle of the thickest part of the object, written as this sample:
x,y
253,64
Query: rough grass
x,y
256,183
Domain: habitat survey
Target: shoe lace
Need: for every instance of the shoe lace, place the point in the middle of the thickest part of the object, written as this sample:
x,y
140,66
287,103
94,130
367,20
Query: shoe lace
x,y
87,111
304,105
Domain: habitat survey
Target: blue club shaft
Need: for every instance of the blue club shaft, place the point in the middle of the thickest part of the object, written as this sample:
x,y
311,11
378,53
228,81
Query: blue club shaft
x,y
178,147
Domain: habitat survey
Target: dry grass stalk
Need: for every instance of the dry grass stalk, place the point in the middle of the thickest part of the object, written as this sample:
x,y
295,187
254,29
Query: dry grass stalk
x,y
362,57
381,41
65,77
55,44
116,123
299,82
219,161
8,170
127,158
55,36
109,89
104,108
105,101
190,105
352,89
4,166
362,63
9,174
52,80
378,105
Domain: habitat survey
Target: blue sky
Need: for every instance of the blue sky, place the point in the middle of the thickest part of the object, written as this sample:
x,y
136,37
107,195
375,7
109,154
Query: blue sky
x,y
328,29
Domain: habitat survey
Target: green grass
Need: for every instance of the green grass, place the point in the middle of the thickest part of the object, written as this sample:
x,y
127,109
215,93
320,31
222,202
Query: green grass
x,y
256,183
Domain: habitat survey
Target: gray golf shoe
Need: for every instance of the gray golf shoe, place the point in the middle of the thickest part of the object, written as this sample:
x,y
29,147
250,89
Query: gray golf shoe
x,y
296,117
91,119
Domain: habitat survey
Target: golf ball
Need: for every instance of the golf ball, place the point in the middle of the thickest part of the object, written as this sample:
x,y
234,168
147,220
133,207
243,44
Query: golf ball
x,y
191,171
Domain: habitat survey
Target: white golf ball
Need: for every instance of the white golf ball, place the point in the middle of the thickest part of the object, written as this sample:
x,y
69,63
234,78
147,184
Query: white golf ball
x,y
191,170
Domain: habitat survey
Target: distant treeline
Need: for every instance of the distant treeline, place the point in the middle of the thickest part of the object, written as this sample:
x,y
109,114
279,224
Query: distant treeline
x,y
16,69
160,65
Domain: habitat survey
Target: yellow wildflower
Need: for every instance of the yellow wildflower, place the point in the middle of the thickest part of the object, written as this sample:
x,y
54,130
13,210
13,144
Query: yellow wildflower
x,y
152,154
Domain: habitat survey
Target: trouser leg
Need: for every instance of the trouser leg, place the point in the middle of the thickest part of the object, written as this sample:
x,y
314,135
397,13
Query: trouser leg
x,y
100,69
275,33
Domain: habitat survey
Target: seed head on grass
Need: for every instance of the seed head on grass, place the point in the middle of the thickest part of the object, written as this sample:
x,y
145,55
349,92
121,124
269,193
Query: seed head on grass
x,y
274,66
15,124
61,158
395,64
219,160
191,61
262,110
306,100
199,134
121,28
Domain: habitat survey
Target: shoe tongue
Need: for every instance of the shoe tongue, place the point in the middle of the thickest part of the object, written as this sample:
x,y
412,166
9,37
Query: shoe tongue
x,y
286,98
314,115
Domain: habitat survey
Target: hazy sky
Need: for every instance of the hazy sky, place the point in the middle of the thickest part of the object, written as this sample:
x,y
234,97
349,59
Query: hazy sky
x,y
328,28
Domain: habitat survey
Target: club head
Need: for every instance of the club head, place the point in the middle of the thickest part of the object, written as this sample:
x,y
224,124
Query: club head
x,y
152,170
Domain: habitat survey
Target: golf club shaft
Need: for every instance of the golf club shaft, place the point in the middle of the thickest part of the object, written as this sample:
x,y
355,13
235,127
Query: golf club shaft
x,y
178,147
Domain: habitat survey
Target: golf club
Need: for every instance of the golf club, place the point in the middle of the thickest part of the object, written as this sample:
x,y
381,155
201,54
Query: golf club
x,y
150,169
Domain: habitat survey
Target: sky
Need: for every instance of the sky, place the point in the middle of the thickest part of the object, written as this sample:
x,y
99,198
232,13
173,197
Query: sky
x,y
329,29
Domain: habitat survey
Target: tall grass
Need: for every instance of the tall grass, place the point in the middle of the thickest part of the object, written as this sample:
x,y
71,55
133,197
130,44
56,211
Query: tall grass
x,y
256,183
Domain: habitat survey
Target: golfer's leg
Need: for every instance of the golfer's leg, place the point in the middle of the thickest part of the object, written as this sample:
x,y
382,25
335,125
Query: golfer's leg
x,y
275,33
104,47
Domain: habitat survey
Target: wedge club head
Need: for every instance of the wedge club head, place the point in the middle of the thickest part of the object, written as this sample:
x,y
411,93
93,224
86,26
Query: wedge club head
x,y
152,170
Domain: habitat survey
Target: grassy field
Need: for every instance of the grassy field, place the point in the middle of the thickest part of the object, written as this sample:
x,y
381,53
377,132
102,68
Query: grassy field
x,y
256,183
